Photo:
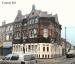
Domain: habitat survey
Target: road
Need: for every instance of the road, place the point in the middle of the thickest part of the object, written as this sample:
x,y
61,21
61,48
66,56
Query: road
x,y
61,60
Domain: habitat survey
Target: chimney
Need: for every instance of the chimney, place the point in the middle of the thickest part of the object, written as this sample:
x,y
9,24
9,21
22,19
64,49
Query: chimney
x,y
3,23
33,7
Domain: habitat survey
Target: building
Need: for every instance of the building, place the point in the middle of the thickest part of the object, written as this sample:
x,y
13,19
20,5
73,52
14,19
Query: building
x,y
66,46
37,32
1,44
6,34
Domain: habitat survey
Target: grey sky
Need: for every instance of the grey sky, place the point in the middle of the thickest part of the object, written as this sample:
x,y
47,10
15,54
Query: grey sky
x,y
64,8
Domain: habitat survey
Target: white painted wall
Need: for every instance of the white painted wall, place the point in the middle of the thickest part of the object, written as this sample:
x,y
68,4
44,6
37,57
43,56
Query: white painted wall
x,y
37,49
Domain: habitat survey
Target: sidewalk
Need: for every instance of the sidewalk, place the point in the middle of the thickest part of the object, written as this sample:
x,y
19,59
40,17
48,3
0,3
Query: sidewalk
x,y
51,61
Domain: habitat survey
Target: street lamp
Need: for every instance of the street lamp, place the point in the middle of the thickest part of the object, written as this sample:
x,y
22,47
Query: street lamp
x,y
65,41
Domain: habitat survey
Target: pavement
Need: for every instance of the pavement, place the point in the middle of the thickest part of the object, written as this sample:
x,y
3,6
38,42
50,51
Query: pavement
x,y
60,60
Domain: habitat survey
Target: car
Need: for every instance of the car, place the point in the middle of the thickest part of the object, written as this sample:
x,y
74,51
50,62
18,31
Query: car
x,y
70,54
22,58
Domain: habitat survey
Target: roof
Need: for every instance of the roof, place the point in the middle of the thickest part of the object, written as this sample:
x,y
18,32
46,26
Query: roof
x,y
19,16
34,13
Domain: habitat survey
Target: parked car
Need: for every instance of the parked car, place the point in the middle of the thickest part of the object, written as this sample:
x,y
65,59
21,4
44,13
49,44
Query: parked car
x,y
70,54
22,58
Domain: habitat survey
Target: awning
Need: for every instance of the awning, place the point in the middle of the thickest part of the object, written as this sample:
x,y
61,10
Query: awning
x,y
7,44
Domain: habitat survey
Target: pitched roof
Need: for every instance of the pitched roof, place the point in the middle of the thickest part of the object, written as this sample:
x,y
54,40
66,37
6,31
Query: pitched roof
x,y
35,13
19,16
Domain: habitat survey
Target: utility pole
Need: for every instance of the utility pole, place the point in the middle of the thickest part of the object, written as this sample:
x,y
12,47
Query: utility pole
x,y
65,40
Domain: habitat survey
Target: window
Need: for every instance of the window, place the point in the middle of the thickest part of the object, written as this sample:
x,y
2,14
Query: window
x,y
32,33
19,47
28,22
36,20
16,48
18,34
10,36
28,57
39,48
47,49
35,33
45,33
39,55
7,37
32,58
24,34
43,48
26,49
32,47
11,28
48,56
29,47
14,57
32,22
35,46
43,56
18,25
25,24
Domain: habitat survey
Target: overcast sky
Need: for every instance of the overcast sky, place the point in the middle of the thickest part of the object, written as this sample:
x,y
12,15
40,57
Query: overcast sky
x,y
64,8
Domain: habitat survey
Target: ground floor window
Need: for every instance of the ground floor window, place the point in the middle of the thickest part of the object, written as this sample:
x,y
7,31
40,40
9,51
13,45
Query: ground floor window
x,y
39,55
48,56
43,56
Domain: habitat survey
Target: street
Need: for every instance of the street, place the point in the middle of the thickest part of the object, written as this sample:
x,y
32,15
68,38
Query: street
x,y
61,60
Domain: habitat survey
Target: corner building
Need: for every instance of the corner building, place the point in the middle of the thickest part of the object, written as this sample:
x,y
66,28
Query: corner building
x,y
38,33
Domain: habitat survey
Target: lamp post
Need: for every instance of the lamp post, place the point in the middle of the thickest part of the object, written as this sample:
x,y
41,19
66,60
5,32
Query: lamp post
x,y
65,41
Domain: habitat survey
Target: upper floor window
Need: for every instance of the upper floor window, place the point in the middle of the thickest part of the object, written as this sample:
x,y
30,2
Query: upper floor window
x,y
25,34
8,28
7,37
31,21
10,36
36,20
43,48
32,33
18,25
47,49
45,32
25,24
11,28
17,35
29,47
